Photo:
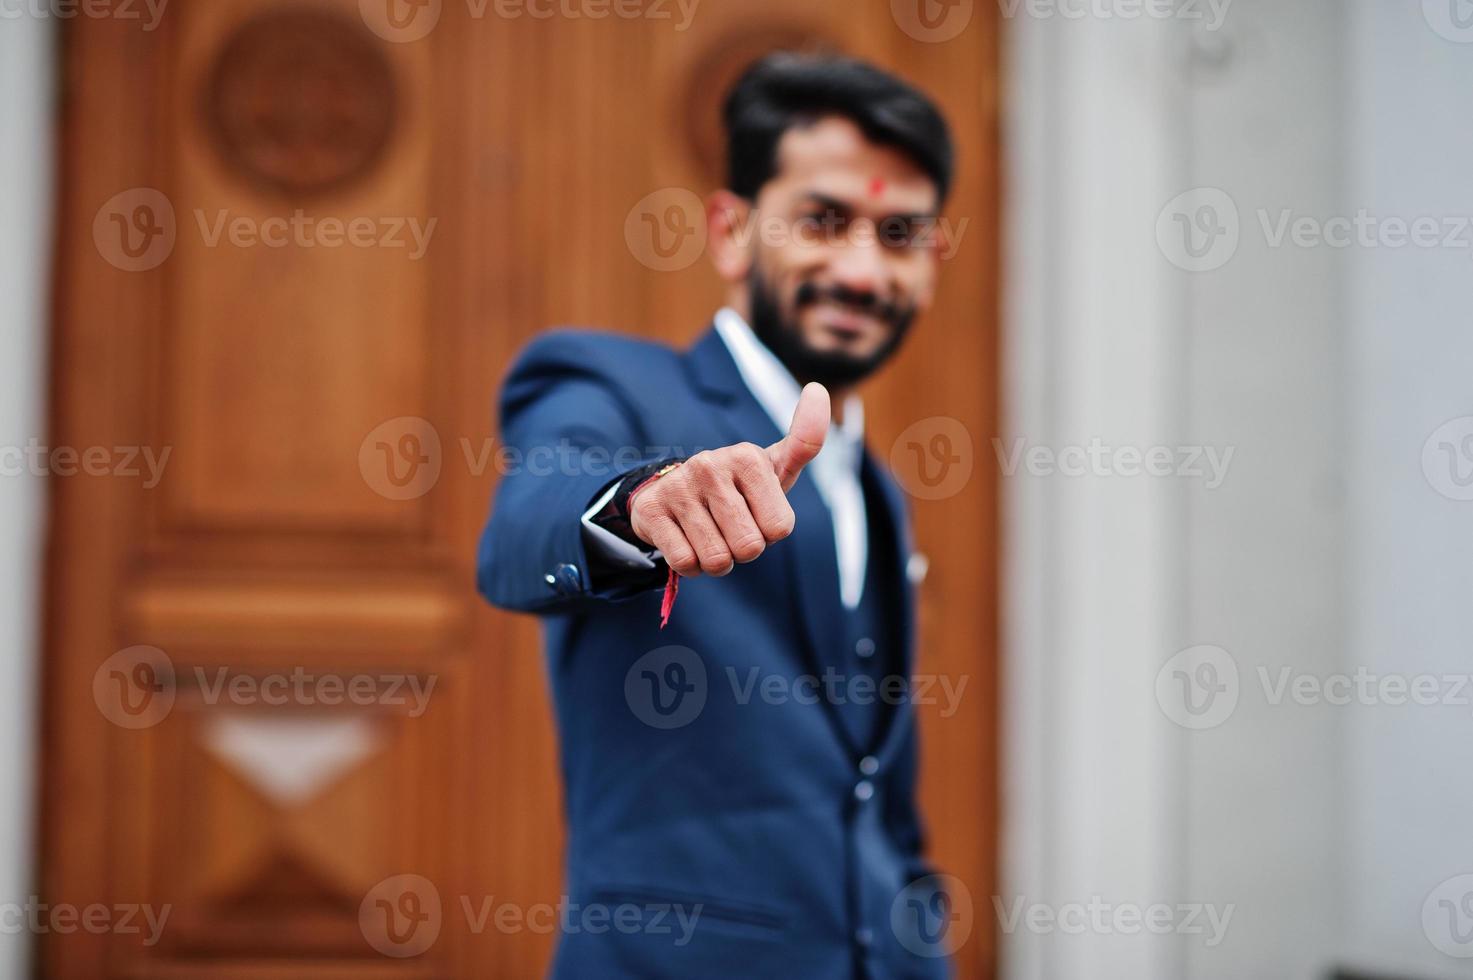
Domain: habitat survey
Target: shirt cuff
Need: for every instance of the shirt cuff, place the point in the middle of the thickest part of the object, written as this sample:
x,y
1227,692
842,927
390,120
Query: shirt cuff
x,y
608,544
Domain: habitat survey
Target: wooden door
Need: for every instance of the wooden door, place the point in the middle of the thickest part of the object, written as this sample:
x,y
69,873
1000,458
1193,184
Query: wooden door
x,y
299,243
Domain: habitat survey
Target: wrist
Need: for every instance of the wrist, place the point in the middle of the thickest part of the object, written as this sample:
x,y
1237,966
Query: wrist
x,y
617,515
639,488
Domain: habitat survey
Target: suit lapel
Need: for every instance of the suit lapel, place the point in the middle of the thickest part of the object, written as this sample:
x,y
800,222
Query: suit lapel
x,y
899,719
894,500
809,553
716,378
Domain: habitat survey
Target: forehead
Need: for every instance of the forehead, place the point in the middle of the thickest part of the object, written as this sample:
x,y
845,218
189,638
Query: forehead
x,y
833,157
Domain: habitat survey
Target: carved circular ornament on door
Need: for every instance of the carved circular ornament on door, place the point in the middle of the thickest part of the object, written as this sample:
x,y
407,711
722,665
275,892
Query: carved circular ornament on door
x,y
301,101
713,74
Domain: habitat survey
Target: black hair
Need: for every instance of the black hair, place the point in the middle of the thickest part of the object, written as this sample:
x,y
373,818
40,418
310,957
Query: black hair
x,y
785,90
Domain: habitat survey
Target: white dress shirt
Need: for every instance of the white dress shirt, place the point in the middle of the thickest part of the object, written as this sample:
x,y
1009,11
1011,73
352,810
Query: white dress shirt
x,y
835,471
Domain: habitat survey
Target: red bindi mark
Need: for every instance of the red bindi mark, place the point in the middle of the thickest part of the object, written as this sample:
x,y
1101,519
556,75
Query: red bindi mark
x,y
877,187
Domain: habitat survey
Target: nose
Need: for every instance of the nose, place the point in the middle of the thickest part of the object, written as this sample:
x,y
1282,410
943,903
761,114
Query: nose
x,y
858,264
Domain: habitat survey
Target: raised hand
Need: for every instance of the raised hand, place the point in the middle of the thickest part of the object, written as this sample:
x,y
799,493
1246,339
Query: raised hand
x,y
725,506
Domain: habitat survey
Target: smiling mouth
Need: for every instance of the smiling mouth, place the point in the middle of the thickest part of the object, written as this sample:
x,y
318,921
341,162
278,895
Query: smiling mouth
x,y
846,322
844,331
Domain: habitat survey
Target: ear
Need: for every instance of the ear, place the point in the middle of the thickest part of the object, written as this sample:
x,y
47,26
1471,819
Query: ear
x,y
729,235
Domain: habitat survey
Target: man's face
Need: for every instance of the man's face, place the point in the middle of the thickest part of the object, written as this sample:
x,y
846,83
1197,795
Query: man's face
x,y
845,246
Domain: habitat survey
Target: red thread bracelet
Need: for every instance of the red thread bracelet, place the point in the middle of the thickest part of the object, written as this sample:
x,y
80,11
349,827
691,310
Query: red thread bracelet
x,y
672,583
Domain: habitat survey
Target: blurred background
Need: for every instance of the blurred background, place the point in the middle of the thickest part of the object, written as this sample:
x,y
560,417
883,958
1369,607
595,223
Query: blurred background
x,y
1197,552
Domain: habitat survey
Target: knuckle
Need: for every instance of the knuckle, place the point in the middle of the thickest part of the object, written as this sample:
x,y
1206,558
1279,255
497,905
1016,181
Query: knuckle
x,y
700,464
716,561
751,460
721,462
748,548
781,525
704,473
747,452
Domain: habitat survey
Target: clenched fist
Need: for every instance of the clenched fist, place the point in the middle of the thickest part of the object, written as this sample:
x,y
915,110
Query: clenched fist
x,y
725,506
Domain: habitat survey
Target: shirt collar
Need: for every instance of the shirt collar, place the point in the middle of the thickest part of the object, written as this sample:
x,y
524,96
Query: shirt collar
x,y
777,391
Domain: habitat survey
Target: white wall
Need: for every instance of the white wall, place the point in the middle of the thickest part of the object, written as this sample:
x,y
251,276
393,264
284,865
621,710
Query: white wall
x,y
1409,581
1324,551
26,79
1262,819
1091,562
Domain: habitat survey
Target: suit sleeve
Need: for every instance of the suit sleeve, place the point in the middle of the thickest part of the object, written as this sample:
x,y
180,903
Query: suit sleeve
x,y
567,435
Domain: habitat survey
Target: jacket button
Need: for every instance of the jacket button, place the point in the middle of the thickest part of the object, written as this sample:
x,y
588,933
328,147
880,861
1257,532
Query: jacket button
x,y
865,648
864,790
863,938
564,579
869,765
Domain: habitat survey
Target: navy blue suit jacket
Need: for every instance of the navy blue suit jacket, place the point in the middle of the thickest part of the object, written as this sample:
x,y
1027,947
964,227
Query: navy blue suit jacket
x,y
686,787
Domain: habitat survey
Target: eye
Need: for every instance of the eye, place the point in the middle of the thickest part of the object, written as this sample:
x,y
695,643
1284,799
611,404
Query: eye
x,y
823,223
902,232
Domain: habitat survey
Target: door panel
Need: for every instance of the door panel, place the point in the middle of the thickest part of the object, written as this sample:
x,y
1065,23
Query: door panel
x,y
319,413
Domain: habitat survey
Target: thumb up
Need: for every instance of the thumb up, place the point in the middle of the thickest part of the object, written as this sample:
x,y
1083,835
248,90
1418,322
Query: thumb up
x,y
725,506
805,436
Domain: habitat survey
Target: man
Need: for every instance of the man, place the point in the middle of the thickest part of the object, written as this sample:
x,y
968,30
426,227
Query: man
x,y
740,783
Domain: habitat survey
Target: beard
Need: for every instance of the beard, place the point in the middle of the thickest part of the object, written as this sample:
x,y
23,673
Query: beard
x,y
784,337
